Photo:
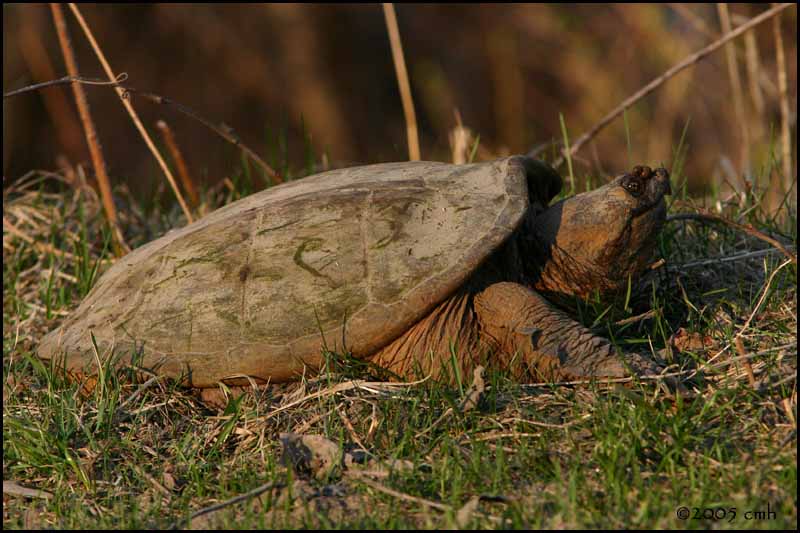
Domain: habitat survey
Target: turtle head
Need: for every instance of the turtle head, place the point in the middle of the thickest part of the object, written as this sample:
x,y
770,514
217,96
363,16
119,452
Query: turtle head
x,y
597,239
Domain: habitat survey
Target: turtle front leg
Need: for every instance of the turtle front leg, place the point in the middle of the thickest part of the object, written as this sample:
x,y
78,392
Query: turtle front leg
x,y
543,343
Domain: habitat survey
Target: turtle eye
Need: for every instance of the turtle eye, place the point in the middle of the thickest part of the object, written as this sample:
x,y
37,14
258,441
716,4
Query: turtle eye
x,y
633,186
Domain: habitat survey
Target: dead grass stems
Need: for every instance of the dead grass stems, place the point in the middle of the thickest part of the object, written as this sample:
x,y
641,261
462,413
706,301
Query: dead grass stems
x,y
761,298
736,89
753,63
98,161
222,130
374,387
460,138
671,72
402,81
180,163
783,91
705,216
723,259
132,112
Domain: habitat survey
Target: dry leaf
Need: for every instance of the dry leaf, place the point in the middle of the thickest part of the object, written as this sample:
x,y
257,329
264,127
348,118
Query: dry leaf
x,y
684,341
464,515
474,392
311,454
168,481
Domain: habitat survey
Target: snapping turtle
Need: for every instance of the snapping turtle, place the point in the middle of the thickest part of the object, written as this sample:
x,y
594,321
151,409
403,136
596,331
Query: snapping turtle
x,y
401,263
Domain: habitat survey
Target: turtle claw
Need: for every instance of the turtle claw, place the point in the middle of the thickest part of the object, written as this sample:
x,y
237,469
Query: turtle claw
x,y
634,365
615,367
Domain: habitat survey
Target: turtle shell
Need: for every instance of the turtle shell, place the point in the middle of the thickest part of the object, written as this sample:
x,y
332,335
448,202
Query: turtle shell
x,y
347,259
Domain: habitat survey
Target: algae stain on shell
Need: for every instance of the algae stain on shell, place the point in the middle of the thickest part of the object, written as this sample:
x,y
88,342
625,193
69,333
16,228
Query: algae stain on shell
x,y
312,245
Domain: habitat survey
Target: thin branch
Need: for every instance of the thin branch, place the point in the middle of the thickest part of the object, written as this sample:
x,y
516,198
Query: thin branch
x,y
95,150
242,497
705,216
653,85
222,130
414,499
342,387
730,361
143,387
402,82
696,21
402,495
724,259
132,112
66,79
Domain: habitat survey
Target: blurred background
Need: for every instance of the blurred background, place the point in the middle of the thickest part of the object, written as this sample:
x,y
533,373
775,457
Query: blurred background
x,y
294,78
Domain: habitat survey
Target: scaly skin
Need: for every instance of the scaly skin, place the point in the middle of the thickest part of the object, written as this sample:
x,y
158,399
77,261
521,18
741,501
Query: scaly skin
x,y
592,241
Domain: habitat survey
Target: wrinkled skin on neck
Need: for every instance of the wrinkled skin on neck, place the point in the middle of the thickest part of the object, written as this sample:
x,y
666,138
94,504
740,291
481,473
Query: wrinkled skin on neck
x,y
596,240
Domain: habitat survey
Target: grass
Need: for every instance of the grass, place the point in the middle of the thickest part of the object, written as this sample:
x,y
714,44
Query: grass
x,y
133,455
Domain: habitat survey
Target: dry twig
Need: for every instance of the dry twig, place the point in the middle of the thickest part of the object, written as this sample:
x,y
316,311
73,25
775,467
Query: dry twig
x,y
12,488
341,387
401,495
77,80
236,499
415,499
180,162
